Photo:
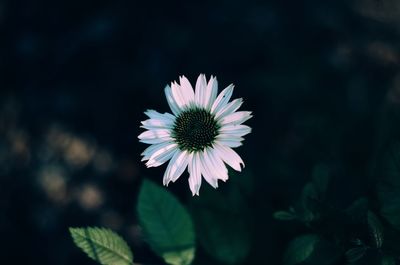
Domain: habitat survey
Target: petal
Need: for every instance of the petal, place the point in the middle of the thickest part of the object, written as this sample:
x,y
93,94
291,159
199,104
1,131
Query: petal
x,y
178,95
158,123
224,136
152,114
206,93
182,93
156,140
176,166
186,90
206,171
236,118
216,164
212,87
229,156
229,108
162,155
149,151
200,90
222,99
235,130
155,136
171,101
195,174
231,142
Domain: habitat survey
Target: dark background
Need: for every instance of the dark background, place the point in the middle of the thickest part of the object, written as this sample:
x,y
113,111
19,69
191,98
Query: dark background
x,y
76,76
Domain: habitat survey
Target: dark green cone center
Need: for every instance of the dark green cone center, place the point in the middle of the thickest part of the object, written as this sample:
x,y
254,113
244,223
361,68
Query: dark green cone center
x,y
195,129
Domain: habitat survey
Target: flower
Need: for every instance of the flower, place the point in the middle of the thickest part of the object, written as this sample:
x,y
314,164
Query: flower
x,y
200,134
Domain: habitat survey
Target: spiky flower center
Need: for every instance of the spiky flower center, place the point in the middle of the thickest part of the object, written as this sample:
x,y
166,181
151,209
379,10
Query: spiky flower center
x,y
195,129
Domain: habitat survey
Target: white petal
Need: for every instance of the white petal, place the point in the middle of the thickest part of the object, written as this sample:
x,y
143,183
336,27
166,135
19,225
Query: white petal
x,y
162,155
229,156
171,101
235,130
236,118
200,90
219,165
182,93
149,151
230,142
156,140
224,136
195,174
212,87
155,136
176,166
152,114
186,89
206,171
158,123
177,94
229,108
216,164
206,93
222,99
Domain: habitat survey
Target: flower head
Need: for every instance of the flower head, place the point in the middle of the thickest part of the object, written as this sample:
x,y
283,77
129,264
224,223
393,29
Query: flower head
x,y
199,135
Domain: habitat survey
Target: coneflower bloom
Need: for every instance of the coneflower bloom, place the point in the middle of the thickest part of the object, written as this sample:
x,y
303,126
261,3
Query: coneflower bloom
x,y
199,134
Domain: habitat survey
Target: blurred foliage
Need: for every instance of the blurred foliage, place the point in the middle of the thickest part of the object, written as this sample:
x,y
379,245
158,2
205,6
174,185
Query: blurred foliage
x,y
389,185
355,235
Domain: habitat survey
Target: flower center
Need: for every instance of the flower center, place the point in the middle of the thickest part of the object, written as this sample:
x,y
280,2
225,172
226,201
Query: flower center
x,y
195,129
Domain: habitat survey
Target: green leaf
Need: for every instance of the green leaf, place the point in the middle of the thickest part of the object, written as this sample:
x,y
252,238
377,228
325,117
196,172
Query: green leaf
x,y
284,216
102,245
300,249
224,225
309,192
306,208
389,185
355,254
311,249
376,229
180,257
166,224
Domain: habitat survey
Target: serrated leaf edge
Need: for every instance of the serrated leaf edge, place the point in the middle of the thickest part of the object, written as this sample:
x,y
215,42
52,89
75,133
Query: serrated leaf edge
x,y
76,229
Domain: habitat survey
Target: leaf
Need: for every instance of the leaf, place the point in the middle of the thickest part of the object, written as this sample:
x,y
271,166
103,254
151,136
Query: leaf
x,y
181,257
166,224
309,192
300,249
307,205
284,216
223,220
325,253
311,249
102,245
389,185
355,254
310,205
375,228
